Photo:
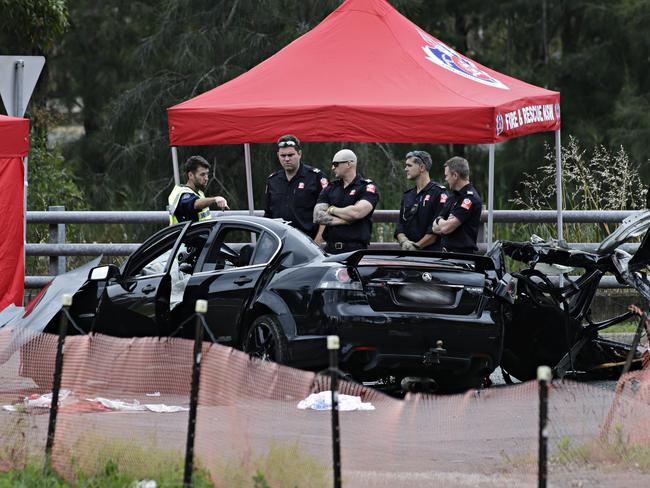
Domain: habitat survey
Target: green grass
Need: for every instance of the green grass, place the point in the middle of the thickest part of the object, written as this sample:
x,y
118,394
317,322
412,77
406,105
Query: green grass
x,y
629,326
282,466
109,476
102,463
614,452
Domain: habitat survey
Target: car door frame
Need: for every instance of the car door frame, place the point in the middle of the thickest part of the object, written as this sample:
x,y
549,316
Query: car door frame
x,y
128,283
204,278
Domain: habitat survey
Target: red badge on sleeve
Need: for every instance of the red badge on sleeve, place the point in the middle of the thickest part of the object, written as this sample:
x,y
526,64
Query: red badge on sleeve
x,y
323,183
371,189
467,204
427,198
443,198
301,185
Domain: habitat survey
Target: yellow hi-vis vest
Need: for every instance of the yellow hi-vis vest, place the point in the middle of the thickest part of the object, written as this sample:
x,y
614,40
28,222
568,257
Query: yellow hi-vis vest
x,y
175,197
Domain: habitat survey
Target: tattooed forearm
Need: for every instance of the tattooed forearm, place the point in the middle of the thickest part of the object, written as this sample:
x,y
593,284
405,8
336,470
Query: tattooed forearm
x,y
320,214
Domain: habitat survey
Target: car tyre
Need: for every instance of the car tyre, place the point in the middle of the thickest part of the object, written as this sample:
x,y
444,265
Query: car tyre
x,y
266,340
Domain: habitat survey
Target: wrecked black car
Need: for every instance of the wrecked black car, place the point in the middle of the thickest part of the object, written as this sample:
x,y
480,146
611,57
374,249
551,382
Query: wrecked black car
x,y
273,293
405,319
550,323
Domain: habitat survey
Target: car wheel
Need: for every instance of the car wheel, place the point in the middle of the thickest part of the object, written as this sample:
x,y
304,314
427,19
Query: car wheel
x,y
266,340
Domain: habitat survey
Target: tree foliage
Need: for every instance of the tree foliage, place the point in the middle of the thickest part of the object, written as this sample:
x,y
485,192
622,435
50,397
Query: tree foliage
x,y
121,64
30,27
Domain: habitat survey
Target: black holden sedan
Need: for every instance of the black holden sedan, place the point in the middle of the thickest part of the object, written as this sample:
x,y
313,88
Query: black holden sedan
x,y
274,293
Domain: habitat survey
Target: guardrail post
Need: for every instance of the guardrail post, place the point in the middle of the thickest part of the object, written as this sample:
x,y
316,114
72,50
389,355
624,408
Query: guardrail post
x,y
333,347
66,301
544,376
200,308
57,236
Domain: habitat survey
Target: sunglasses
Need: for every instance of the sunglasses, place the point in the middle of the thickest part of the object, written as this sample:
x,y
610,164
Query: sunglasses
x,y
416,155
336,163
287,144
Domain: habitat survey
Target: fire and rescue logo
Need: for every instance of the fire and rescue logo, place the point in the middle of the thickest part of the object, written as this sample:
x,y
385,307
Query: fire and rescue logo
x,y
447,58
499,124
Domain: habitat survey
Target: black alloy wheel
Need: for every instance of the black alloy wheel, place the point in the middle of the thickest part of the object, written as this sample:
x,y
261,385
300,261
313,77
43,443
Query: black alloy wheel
x,y
266,340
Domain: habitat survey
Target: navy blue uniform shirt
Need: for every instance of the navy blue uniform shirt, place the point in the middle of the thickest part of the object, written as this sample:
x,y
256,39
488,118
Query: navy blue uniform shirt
x,y
295,200
417,211
466,205
359,231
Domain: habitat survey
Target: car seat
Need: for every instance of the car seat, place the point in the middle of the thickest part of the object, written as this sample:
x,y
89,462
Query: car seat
x,y
245,254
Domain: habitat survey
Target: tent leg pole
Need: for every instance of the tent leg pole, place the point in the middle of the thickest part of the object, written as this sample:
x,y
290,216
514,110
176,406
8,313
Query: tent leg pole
x,y
25,186
177,179
558,184
490,223
249,179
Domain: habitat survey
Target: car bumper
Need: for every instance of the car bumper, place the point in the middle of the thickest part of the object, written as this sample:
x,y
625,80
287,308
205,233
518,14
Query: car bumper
x,y
378,344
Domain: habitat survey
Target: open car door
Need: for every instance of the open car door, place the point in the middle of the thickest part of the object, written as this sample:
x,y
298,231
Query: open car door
x,y
137,303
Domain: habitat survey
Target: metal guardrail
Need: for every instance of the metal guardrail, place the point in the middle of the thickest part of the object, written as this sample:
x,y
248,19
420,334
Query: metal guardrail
x,y
58,248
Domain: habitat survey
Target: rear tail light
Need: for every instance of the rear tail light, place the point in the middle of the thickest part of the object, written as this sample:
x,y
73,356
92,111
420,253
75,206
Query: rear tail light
x,y
339,279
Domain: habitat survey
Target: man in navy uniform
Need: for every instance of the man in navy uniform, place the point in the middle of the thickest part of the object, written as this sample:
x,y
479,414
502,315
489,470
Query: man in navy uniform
x,y
188,202
291,192
345,207
459,221
420,205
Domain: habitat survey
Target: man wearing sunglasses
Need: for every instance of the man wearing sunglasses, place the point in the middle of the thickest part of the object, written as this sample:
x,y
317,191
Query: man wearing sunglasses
x,y
345,207
459,220
291,192
420,205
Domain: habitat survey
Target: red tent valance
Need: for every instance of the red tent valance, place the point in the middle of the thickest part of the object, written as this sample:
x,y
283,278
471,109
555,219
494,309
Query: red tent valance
x,y
366,73
14,137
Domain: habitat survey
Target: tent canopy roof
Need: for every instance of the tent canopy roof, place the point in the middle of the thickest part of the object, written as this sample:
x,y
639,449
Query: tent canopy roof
x,y
366,73
14,137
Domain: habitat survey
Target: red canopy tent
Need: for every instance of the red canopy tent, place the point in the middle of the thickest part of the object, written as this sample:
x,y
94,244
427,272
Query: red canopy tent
x,y
367,73
14,145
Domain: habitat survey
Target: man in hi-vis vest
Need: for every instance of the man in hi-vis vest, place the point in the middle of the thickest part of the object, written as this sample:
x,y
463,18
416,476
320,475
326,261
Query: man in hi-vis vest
x,y
188,202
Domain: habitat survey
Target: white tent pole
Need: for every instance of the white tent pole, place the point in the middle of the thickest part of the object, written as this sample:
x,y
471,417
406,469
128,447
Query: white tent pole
x,y
490,223
249,179
177,179
558,183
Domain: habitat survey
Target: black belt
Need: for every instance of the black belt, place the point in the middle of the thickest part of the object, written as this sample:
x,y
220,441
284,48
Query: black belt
x,y
347,245
463,250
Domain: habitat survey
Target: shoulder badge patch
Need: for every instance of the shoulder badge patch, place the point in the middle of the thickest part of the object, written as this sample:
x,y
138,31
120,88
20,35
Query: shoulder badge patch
x,y
323,183
371,188
467,204
443,198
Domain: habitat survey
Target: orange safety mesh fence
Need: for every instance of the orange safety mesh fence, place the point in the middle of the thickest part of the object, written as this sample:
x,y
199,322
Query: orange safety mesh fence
x,y
126,400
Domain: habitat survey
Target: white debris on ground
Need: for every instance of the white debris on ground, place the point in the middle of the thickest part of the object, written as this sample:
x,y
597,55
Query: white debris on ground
x,y
323,401
44,401
67,399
